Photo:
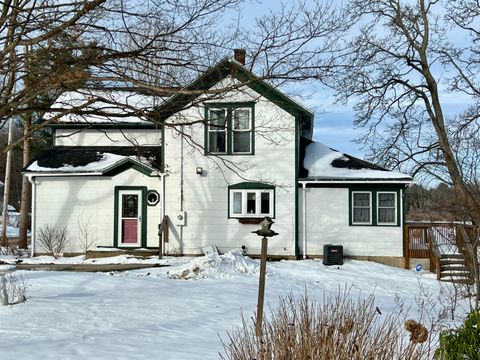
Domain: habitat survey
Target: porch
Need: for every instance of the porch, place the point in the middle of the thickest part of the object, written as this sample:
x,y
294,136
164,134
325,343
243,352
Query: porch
x,y
445,249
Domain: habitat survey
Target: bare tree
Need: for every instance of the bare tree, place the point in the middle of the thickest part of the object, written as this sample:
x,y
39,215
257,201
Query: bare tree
x,y
393,67
398,67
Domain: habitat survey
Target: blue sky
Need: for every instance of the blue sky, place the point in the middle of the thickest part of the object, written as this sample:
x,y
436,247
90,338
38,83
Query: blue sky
x,y
334,122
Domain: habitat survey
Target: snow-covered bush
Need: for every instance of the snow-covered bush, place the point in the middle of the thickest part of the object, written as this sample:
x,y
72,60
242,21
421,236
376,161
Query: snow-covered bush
x,y
53,239
340,328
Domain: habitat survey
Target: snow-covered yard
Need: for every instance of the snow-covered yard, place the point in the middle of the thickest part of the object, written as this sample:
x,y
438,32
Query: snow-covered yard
x,y
157,314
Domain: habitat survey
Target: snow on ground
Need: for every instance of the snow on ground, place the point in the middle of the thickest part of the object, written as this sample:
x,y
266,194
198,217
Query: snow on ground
x,y
163,313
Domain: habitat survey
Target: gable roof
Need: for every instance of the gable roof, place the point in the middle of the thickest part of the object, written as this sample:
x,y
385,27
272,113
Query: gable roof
x,y
119,117
224,68
324,164
102,109
94,160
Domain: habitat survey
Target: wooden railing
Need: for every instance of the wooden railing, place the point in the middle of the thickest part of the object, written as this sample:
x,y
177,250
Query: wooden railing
x,y
431,240
162,235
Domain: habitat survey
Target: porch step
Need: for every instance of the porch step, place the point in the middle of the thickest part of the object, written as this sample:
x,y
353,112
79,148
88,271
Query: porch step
x,y
458,281
453,269
142,253
455,273
451,256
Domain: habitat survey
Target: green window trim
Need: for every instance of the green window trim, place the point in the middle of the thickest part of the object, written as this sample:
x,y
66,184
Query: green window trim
x,y
374,207
229,109
243,192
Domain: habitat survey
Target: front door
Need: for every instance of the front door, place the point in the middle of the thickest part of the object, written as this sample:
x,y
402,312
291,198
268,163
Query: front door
x,y
130,218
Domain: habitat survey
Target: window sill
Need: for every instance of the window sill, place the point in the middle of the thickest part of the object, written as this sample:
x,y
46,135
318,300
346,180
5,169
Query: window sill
x,y
250,220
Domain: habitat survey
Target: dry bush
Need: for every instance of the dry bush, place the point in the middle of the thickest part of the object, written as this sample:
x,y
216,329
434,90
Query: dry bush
x,y
53,239
86,241
16,288
340,328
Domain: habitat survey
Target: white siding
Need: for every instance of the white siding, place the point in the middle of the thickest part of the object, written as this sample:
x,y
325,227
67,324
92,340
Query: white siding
x,y
205,198
64,201
327,219
107,137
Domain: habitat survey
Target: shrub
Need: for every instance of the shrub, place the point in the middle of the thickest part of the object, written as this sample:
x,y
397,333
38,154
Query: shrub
x,y
340,328
462,343
53,239
16,288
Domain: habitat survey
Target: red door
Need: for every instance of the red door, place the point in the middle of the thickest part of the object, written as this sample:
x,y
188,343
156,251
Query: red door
x,y
130,217
129,231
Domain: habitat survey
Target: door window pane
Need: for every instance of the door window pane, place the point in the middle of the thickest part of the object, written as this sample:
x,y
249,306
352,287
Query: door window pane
x,y
129,206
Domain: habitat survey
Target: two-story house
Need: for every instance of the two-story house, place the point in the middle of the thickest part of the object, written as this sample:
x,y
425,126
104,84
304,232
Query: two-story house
x,y
216,162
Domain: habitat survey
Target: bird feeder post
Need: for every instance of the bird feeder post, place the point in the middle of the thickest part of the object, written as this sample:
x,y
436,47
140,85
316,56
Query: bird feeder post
x,y
261,287
265,232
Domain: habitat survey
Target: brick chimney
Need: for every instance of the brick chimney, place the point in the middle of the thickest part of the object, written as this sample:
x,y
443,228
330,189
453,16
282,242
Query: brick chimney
x,y
239,55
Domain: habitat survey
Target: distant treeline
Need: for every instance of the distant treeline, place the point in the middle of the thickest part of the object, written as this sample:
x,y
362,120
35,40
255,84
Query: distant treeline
x,y
433,204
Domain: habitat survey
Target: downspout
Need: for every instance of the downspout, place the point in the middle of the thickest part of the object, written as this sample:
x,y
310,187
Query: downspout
x,y
162,204
34,206
181,186
304,219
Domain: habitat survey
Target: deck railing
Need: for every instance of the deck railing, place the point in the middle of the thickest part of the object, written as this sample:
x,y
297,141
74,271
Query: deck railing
x,y
431,240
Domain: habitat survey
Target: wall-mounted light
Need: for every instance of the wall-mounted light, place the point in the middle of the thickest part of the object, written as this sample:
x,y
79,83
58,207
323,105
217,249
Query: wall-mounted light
x,y
199,170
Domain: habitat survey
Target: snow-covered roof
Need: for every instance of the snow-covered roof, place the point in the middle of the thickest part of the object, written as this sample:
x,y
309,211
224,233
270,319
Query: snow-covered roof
x,y
92,160
324,163
95,106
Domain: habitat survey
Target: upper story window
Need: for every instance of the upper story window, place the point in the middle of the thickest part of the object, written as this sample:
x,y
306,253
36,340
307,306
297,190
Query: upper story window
x,y
229,128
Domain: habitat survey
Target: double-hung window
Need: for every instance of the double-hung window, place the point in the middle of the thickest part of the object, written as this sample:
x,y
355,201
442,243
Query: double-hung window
x,y
361,207
386,208
229,129
217,131
251,200
374,207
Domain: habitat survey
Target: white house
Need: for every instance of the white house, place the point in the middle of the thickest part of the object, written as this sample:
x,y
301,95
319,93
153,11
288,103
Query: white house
x,y
215,165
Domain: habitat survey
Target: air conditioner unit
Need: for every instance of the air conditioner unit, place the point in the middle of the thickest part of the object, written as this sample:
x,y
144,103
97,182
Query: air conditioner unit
x,y
332,254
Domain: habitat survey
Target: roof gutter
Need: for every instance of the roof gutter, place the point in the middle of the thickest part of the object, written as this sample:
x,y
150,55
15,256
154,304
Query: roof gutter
x,y
306,182
45,174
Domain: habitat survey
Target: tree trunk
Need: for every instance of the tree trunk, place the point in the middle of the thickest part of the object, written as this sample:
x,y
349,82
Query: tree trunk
x,y
26,188
6,188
